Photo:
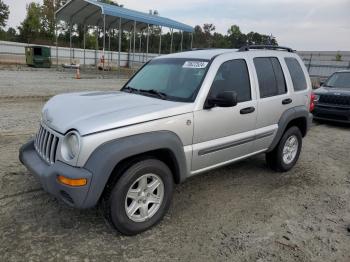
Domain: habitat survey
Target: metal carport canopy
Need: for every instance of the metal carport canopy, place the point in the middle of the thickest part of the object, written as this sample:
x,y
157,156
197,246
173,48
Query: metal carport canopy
x,y
90,12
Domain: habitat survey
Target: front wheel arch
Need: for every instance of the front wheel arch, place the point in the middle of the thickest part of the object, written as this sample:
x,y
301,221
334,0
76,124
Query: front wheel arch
x,y
104,161
163,155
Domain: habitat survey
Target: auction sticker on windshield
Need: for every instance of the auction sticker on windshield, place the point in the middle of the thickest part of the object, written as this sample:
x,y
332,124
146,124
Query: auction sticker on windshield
x,y
195,64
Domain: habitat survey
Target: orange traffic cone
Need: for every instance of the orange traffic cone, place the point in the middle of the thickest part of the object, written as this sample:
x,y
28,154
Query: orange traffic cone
x,y
77,76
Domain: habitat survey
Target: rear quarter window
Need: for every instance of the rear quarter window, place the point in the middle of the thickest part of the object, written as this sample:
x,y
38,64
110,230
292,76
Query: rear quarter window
x,y
296,73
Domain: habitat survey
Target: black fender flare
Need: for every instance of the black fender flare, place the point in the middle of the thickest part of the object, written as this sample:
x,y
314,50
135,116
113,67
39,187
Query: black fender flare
x,y
288,116
105,158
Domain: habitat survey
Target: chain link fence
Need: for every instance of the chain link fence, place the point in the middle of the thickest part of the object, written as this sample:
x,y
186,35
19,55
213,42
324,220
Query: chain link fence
x,y
319,64
323,64
14,53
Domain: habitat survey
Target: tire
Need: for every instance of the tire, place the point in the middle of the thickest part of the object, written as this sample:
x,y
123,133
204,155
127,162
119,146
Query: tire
x,y
132,183
276,160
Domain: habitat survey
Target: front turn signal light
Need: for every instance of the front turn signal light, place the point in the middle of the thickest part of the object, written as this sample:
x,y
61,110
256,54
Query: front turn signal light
x,y
72,182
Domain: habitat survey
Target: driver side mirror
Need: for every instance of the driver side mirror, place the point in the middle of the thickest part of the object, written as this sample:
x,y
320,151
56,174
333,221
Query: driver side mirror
x,y
222,99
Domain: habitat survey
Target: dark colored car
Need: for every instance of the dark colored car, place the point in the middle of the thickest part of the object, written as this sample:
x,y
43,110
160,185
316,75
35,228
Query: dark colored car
x,y
333,98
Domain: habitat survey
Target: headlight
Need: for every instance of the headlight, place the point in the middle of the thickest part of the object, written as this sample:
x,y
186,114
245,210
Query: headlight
x,y
70,146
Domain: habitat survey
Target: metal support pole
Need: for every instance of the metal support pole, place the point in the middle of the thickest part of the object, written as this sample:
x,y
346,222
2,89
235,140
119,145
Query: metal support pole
x,y
147,45
191,41
56,35
57,50
130,49
140,45
160,40
84,45
104,42
96,46
182,40
133,55
109,47
140,48
120,31
172,38
70,42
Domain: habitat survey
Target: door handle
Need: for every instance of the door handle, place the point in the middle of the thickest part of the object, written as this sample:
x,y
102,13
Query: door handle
x,y
287,101
247,110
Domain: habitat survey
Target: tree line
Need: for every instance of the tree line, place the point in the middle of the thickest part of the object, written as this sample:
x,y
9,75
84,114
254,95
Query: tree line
x,y
38,27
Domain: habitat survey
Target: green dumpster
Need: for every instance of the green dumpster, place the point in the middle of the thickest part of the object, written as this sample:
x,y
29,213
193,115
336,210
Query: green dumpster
x,y
38,56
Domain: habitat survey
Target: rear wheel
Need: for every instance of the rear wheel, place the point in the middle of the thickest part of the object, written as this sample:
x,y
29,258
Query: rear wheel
x,y
141,197
287,151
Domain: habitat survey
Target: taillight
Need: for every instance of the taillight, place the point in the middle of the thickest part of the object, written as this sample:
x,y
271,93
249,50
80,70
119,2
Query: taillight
x,y
312,102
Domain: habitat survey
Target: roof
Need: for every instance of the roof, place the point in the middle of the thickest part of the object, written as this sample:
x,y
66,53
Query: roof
x,y
209,54
90,12
206,54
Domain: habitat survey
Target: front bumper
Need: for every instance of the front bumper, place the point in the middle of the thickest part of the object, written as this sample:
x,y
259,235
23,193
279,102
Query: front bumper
x,y
332,113
47,175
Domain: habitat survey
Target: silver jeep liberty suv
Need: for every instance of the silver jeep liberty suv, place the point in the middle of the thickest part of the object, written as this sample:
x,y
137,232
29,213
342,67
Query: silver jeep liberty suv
x,y
180,115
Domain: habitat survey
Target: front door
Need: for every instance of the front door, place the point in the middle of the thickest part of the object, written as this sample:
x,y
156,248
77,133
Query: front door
x,y
223,134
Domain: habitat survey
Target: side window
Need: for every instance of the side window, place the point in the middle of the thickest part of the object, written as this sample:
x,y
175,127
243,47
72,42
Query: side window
x,y
270,76
296,73
233,76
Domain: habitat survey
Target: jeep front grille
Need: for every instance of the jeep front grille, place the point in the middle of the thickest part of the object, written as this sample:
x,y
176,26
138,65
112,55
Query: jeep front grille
x,y
46,143
335,100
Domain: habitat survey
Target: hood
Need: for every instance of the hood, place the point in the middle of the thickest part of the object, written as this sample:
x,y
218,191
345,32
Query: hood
x,y
91,112
332,91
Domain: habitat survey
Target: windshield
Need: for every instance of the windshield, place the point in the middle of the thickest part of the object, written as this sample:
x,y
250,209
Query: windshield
x,y
170,79
339,80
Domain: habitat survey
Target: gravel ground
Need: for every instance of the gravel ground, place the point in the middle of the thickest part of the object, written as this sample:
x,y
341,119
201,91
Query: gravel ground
x,y
33,83
242,212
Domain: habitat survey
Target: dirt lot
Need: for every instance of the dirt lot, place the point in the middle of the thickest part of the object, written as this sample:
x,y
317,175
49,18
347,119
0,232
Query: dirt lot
x,y
243,212
30,82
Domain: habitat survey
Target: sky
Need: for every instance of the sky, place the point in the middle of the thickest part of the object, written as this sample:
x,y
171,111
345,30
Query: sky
x,y
301,24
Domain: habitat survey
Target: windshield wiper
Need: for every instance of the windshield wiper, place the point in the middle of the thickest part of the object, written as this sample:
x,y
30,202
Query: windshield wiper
x,y
130,89
152,92
159,94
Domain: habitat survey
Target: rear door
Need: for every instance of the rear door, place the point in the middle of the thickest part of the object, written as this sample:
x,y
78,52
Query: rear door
x,y
274,98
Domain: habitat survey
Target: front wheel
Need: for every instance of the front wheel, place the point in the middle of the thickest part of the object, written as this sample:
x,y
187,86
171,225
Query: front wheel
x,y
287,152
141,197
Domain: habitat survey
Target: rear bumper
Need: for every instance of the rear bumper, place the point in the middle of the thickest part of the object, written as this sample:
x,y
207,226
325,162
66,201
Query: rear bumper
x,y
47,175
309,121
332,113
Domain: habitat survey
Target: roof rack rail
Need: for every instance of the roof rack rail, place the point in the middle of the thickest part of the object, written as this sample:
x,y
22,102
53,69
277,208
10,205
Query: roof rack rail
x,y
197,49
203,48
269,47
